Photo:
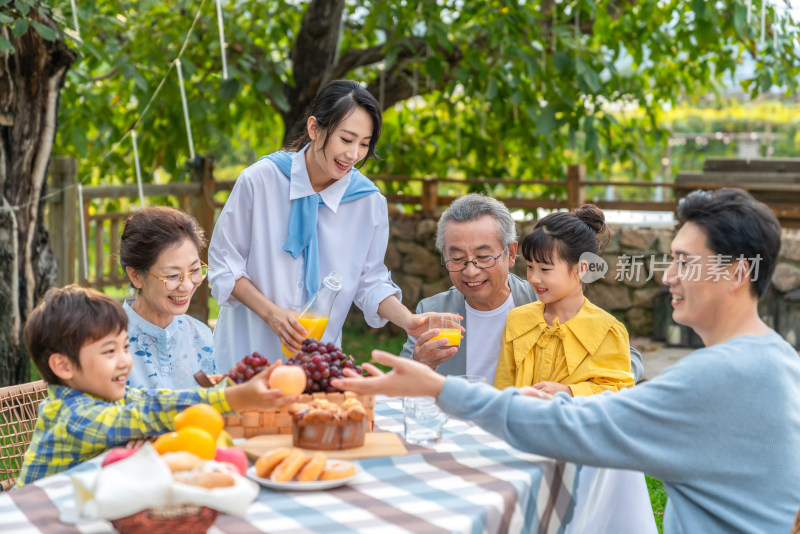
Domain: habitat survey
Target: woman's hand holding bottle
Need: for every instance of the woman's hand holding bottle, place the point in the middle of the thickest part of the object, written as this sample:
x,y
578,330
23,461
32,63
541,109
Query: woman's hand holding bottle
x,y
286,326
312,320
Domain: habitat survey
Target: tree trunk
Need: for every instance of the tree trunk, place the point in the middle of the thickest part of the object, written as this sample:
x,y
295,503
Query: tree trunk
x,y
313,55
315,63
30,83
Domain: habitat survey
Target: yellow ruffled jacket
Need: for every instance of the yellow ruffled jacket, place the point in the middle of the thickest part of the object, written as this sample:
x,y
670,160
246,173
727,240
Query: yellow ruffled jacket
x,y
590,353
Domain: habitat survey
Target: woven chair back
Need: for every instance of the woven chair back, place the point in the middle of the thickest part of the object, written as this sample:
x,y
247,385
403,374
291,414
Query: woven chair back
x,y
19,410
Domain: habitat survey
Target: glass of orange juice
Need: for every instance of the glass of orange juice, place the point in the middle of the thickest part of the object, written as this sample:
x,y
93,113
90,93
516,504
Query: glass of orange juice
x,y
449,326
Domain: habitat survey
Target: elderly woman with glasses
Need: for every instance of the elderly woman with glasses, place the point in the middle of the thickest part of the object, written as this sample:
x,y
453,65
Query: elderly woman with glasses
x,y
159,251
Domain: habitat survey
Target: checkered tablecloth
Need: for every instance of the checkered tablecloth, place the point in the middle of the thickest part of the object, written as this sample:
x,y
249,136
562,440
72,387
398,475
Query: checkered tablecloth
x,y
471,482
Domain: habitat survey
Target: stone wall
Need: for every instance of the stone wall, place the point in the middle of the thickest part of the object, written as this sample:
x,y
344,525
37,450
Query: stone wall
x,y
782,305
629,290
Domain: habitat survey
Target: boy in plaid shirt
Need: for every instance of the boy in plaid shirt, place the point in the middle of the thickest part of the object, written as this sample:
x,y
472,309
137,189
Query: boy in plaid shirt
x,y
78,340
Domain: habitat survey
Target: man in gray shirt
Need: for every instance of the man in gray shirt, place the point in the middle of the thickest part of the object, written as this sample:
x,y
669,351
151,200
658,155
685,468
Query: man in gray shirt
x,y
477,239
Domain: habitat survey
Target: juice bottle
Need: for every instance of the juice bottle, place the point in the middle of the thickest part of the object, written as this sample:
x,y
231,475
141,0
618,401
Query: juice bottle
x,y
314,324
315,314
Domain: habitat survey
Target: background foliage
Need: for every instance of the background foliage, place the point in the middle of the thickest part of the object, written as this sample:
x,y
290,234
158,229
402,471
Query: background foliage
x,y
496,88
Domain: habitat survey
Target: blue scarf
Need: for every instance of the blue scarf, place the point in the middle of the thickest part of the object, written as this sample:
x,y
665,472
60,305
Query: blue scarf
x,y
303,217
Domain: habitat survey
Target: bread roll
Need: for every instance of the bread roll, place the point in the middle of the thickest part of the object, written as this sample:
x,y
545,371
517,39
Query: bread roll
x,y
337,470
288,468
206,479
312,468
268,462
181,461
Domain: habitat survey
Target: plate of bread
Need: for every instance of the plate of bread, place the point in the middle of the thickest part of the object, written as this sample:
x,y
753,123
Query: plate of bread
x,y
291,469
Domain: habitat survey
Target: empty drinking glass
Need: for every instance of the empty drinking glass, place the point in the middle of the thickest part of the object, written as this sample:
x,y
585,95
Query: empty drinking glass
x,y
423,420
472,379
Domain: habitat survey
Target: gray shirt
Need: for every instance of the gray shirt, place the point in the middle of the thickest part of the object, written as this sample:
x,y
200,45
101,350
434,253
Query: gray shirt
x,y
452,301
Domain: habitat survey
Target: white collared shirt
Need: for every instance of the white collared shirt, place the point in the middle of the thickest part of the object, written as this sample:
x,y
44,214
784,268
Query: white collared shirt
x,y
248,241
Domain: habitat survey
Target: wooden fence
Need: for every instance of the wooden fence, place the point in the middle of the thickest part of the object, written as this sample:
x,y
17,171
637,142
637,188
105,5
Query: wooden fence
x,y
102,223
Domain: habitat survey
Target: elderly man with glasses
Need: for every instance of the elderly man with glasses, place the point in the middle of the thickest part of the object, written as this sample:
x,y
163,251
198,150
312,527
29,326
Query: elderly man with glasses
x,y
477,239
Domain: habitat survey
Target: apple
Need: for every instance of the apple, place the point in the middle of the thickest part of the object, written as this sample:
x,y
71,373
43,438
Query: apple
x,y
233,456
290,379
117,454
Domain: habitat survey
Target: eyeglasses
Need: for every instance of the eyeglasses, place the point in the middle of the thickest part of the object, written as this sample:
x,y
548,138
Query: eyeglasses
x,y
481,262
174,281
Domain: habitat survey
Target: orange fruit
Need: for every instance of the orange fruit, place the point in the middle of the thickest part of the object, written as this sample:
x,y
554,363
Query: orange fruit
x,y
201,416
165,443
197,441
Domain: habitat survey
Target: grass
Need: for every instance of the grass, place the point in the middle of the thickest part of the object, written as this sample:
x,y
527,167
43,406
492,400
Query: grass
x,y
658,499
359,341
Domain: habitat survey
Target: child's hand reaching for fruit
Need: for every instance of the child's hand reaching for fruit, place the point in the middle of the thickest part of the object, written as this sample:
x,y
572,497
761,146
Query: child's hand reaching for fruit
x,y
256,393
309,370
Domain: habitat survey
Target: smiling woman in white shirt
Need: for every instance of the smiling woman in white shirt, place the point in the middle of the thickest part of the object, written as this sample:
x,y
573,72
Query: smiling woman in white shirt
x,y
159,253
295,216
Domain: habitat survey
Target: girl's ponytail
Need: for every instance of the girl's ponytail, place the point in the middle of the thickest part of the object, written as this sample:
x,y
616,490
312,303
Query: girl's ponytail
x,y
567,235
592,216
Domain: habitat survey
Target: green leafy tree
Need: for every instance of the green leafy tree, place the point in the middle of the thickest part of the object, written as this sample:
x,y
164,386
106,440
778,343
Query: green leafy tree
x,y
506,89
494,88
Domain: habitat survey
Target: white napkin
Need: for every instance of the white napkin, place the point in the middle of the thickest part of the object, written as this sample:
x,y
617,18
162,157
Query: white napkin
x,y
232,500
144,481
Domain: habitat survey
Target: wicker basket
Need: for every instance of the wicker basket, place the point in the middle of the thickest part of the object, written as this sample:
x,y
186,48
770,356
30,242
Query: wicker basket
x,y
251,423
19,410
183,519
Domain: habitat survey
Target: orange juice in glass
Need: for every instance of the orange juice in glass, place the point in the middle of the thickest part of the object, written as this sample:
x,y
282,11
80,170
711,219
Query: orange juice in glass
x,y
453,336
449,327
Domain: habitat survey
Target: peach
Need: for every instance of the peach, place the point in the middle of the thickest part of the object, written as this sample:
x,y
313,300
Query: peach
x,y
117,454
233,456
290,379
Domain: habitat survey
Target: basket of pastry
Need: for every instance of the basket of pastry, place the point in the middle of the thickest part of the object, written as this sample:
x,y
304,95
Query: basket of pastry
x,y
319,362
198,476
142,492
183,519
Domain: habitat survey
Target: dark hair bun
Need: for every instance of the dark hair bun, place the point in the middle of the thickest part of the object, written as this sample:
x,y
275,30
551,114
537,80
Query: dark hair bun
x,y
592,216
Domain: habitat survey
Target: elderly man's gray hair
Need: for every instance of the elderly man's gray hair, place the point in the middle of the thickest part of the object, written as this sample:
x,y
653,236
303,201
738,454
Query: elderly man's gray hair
x,y
474,206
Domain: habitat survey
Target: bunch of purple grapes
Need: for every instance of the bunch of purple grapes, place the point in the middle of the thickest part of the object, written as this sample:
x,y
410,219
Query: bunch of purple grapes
x,y
322,362
248,367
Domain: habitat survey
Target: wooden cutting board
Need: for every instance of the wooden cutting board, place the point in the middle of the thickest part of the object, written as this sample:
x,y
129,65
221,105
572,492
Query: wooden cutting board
x,y
376,445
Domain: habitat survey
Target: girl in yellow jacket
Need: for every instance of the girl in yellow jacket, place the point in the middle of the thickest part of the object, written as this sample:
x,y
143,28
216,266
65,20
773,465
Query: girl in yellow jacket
x,y
563,342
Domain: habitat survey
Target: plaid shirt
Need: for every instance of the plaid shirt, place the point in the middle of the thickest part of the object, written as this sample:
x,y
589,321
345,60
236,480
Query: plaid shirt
x,y
74,427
